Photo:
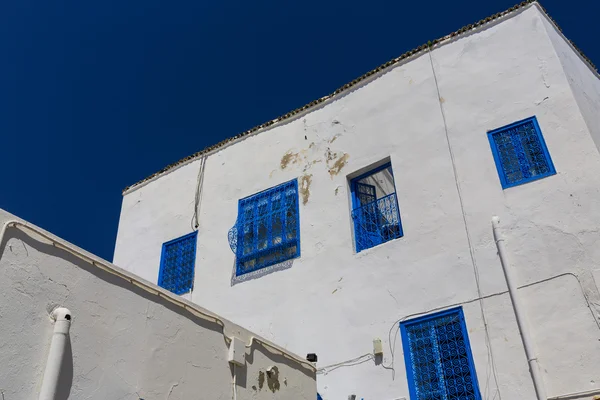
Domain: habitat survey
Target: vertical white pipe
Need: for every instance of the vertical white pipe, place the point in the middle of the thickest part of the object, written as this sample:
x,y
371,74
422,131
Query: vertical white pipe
x,y
534,368
62,324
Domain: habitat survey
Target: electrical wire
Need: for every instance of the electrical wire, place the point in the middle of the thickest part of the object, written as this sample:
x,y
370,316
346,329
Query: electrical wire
x,y
198,194
468,235
355,361
396,325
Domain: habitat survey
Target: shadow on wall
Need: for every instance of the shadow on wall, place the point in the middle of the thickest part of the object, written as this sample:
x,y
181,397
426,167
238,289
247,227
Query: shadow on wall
x,y
260,272
65,379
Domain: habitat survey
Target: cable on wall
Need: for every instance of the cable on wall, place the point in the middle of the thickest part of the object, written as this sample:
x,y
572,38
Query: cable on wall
x,y
349,363
198,194
396,325
468,235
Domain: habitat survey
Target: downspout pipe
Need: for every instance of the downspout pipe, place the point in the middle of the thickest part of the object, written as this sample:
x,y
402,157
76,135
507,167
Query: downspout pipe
x,y
62,324
534,368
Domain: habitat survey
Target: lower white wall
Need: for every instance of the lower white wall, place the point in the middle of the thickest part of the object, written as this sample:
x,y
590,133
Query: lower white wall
x,y
124,342
565,336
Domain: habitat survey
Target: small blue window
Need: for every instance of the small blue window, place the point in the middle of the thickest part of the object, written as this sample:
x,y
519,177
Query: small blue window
x,y
520,153
439,364
177,264
267,229
375,209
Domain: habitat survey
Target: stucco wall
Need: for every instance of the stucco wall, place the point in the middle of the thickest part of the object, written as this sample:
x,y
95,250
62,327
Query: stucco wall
x,y
125,343
583,80
333,301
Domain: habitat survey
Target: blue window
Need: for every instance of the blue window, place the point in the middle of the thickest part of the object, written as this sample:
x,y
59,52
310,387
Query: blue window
x,y
267,230
177,264
520,153
375,209
438,357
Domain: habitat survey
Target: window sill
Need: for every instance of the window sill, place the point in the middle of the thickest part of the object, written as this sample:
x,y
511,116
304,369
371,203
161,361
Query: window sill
x,y
371,249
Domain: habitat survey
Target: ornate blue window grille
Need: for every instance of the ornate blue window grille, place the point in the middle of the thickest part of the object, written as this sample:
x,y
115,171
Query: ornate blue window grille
x,y
177,264
520,153
267,229
439,365
375,209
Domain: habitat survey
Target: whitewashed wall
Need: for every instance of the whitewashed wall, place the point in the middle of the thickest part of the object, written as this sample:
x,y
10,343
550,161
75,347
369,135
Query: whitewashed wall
x,y
125,343
584,81
333,301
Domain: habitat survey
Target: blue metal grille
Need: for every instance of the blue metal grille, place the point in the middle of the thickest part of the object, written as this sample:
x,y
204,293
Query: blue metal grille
x,y
376,220
177,264
267,230
520,153
438,358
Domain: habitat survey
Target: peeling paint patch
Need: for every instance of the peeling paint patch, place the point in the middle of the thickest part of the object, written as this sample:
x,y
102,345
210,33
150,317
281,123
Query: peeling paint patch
x,y
334,138
289,158
442,100
329,155
305,182
273,379
337,190
261,380
339,165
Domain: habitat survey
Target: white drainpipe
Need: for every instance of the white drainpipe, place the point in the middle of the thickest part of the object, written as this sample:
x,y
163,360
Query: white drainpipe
x,y
534,367
62,324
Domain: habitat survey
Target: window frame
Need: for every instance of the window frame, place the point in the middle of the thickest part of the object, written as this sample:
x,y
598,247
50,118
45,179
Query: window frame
x,y
257,253
353,183
407,355
498,161
161,271
372,171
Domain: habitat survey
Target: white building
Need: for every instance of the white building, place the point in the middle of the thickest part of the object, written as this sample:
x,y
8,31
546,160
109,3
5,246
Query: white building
x,y
498,119
120,337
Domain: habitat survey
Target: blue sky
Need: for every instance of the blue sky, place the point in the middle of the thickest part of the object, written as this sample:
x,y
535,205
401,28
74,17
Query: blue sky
x,y
96,95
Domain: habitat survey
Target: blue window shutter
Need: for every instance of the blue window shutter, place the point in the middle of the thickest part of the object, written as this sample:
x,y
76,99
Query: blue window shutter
x,y
520,153
177,264
438,358
267,230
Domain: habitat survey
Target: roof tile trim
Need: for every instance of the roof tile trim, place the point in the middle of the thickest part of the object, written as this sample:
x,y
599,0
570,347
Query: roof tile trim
x,y
349,85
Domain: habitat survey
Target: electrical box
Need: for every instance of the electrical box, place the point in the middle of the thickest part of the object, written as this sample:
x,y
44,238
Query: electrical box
x,y
237,352
377,347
